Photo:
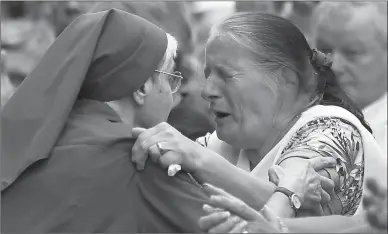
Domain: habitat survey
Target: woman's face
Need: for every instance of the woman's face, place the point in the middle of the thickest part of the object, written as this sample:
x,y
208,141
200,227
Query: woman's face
x,y
238,94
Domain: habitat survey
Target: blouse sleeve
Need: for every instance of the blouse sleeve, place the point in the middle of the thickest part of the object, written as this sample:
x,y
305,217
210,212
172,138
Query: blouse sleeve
x,y
338,138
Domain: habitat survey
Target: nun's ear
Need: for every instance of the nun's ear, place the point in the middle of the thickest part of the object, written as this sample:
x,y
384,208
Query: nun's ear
x,y
140,94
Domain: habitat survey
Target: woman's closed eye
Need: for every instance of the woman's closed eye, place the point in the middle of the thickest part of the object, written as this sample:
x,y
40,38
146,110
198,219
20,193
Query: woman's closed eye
x,y
223,73
353,54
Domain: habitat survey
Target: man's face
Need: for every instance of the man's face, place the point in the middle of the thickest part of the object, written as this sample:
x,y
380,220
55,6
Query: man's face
x,y
359,54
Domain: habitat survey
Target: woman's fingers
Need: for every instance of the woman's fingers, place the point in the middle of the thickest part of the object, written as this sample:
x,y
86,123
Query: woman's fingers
x,y
154,153
141,146
137,131
140,153
226,226
170,157
213,219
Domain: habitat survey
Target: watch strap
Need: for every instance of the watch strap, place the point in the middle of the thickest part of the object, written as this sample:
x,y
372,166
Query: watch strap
x,y
289,194
285,191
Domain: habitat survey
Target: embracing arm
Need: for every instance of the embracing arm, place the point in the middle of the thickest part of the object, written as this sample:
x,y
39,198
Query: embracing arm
x,y
214,169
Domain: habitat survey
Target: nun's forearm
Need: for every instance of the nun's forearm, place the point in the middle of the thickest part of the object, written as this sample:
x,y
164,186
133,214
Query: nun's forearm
x,y
216,170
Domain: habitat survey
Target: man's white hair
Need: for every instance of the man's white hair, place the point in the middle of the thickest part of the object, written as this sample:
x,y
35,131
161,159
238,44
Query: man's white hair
x,y
167,63
334,15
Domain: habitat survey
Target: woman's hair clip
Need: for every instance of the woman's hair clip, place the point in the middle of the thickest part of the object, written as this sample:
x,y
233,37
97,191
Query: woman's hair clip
x,y
321,60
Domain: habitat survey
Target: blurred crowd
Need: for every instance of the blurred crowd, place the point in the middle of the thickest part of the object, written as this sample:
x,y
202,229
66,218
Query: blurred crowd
x,y
350,40
29,28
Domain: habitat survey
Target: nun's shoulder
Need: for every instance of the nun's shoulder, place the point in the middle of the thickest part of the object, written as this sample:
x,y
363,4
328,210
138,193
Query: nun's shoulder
x,y
168,204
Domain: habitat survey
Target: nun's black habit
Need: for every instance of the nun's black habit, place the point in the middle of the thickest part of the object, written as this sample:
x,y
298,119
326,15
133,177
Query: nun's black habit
x,y
65,154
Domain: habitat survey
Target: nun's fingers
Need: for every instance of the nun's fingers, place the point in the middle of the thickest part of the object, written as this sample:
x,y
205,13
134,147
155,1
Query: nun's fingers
x,y
320,163
235,206
209,209
275,173
328,186
209,221
213,190
325,197
226,226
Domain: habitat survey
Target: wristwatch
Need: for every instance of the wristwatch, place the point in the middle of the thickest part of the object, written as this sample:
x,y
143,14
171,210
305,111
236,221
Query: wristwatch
x,y
294,199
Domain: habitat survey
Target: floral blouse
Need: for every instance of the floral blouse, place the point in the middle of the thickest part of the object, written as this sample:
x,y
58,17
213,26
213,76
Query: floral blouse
x,y
331,137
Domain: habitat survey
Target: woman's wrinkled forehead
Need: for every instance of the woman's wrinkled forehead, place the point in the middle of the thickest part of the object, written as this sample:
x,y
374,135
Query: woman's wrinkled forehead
x,y
221,49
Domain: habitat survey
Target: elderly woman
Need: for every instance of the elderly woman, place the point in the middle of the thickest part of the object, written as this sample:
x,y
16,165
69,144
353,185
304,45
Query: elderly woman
x,y
276,102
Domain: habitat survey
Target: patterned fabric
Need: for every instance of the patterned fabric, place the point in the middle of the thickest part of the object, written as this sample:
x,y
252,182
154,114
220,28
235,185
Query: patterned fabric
x,y
334,137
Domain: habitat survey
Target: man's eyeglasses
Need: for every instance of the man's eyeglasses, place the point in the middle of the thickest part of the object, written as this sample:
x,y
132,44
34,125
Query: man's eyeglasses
x,y
174,79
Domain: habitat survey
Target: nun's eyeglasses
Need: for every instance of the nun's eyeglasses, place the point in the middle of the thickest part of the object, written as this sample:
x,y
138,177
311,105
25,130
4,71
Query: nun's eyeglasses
x,y
174,79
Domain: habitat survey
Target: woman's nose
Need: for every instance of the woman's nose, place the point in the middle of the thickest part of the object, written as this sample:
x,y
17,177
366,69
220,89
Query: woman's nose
x,y
210,91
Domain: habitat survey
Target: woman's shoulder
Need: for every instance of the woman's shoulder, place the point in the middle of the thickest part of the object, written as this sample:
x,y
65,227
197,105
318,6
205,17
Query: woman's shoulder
x,y
338,138
331,130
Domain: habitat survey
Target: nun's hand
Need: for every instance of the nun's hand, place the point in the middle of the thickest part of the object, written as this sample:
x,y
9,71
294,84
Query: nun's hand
x,y
313,189
228,214
165,145
375,202
306,183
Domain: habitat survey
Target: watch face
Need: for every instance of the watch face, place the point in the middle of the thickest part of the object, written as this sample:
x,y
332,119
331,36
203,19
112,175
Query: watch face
x,y
296,201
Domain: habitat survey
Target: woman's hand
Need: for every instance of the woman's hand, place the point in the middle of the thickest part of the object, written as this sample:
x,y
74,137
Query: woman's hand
x,y
174,148
375,202
312,188
229,214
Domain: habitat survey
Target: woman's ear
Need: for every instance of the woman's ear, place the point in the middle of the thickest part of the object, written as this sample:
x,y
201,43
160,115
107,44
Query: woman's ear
x,y
140,95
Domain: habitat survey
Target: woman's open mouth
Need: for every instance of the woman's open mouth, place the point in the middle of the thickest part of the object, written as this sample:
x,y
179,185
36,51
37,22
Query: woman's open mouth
x,y
221,115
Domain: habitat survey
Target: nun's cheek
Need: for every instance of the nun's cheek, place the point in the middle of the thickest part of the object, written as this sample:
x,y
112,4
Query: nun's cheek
x,y
177,98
